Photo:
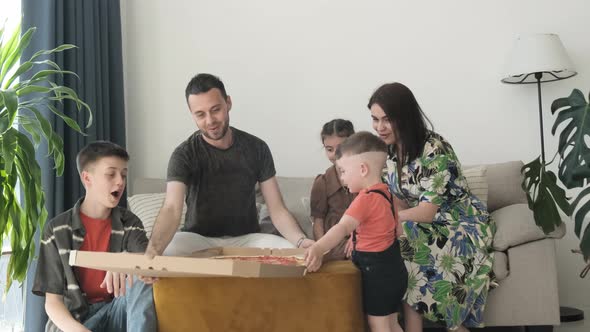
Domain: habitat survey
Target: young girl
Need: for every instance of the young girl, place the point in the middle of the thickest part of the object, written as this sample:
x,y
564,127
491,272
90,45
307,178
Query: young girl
x,y
329,198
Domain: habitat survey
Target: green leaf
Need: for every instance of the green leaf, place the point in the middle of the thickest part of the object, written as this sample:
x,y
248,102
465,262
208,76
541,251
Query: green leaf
x,y
48,72
9,144
28,89
60,48
7,49
574,170
34,129
10,102
23,68
544,195
69,121
16,53
4,122
580,210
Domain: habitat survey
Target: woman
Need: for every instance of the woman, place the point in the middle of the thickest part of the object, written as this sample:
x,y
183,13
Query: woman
x,y
448,231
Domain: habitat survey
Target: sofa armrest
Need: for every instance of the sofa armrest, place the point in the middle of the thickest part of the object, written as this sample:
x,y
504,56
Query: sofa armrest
x,y
516,225
528,295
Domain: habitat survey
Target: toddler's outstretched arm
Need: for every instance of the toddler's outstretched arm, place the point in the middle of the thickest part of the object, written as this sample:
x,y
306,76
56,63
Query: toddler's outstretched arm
x,y
315,253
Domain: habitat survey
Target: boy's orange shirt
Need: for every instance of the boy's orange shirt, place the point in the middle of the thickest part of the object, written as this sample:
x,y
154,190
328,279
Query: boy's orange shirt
x,y
97,238
376,231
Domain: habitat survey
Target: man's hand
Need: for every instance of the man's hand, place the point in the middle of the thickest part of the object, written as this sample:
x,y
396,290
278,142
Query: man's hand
x,y
151,252
313,258
115,283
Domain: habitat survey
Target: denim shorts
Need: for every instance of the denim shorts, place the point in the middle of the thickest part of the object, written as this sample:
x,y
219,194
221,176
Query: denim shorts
x,y
384,280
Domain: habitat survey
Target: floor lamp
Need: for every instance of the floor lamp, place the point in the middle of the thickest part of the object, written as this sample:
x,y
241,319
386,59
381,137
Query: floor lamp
x,y
536,59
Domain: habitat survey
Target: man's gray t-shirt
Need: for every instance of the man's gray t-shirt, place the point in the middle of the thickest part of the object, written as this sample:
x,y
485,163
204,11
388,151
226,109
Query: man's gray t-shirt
x,y
220,198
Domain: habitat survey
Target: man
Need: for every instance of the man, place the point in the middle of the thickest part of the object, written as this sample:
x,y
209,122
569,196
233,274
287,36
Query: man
x,y
215,171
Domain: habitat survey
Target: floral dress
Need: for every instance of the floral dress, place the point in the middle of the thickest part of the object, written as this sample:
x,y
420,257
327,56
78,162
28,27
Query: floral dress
x,y
449,260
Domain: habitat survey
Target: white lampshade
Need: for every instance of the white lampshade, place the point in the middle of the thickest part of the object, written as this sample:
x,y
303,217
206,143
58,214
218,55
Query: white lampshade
x,y
538,53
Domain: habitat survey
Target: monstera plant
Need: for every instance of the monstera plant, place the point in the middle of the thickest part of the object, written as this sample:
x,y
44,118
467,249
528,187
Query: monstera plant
x,y
545,195
23,103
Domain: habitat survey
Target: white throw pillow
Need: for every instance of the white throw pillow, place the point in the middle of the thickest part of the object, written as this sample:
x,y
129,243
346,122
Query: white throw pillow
x,y
147,206
515,225
477,182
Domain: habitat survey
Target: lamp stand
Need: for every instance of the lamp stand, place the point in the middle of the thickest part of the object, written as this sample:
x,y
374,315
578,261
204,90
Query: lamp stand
x,y
566,314
538,76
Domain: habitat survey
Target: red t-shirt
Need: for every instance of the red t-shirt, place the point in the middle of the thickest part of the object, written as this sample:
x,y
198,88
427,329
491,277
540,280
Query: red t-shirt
x,y
97,238
376,231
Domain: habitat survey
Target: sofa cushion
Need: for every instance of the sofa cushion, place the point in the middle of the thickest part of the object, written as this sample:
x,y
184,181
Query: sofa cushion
x,y
147,206
477,182
500,265
516,225
294,189
504,184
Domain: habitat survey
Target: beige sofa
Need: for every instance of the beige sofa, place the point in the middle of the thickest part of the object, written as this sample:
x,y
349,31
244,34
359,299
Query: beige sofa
x,y
527,294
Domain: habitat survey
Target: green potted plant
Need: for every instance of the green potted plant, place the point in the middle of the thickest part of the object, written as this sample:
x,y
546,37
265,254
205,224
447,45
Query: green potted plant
x,y
544,194
21,104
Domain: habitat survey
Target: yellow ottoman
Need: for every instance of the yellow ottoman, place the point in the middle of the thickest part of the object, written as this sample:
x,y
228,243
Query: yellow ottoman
x,y
328,300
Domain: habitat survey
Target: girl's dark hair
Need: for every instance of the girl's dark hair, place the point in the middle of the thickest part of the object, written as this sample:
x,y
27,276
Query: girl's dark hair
x,y
338,127
406,117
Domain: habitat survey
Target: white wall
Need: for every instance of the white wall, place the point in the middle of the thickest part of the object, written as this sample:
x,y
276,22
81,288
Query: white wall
x,y
291,66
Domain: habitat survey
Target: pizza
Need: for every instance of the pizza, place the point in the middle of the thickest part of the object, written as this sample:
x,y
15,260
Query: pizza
x,y
268,259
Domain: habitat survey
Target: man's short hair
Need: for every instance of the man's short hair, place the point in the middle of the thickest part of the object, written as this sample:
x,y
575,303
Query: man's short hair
x,y
95,151
202,83
361,142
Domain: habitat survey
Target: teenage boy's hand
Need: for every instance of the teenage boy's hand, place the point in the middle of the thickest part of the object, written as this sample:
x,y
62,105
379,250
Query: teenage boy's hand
x,y
149,280
115,283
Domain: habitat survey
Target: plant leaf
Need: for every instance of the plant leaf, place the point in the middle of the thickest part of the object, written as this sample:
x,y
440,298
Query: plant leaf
x,y
47,72
7,49
25,90
14,56
544,195
60,48
10,102
4,122
581,211
9,144
23,68
574,166
69,121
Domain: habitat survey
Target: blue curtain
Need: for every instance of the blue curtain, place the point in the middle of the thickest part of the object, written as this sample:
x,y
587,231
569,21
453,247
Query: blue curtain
x,y
94,26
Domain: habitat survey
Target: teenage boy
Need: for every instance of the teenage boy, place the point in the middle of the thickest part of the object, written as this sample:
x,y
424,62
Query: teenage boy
x,y
81,299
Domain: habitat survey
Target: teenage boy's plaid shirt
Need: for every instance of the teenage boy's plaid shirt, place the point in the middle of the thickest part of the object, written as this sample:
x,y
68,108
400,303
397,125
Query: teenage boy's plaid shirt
x,y
66,232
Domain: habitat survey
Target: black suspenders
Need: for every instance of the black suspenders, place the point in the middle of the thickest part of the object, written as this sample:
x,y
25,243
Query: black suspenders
x,y
390,200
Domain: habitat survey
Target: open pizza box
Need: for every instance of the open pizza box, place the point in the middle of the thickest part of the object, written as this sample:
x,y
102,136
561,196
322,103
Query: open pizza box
x,y
225,261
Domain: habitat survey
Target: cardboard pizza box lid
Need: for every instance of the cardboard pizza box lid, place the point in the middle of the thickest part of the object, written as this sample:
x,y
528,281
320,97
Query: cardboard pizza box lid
x,y
200,264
